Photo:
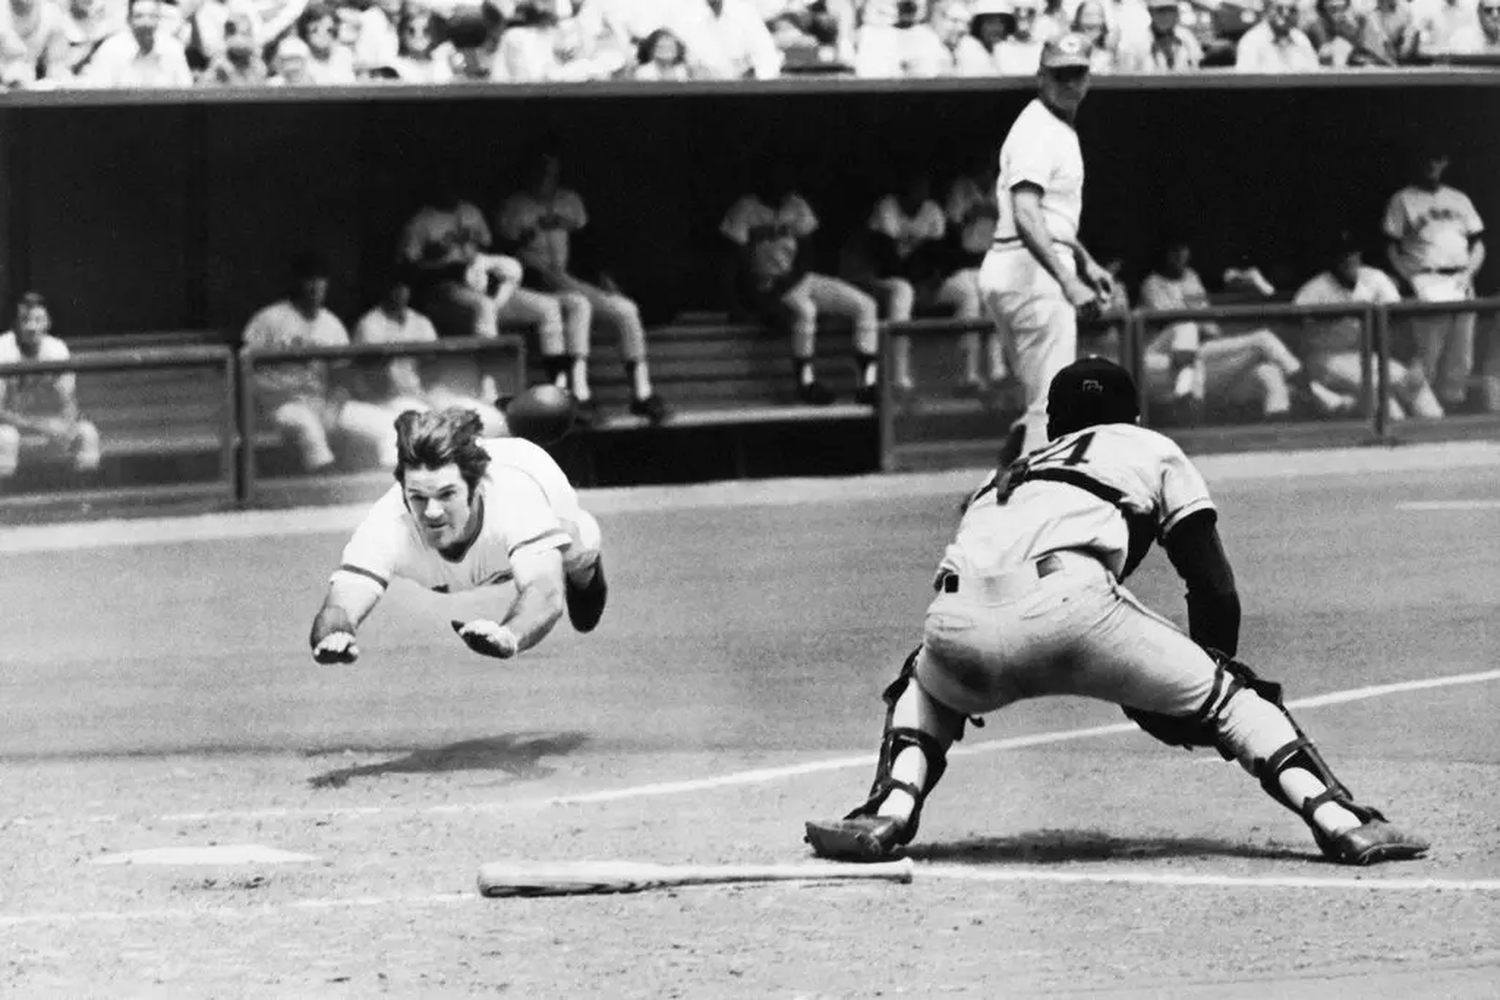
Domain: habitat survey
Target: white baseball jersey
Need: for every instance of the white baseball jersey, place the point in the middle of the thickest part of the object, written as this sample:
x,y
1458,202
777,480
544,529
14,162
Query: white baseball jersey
x,y
527,505
1109,490
35,395
1333,336
1041,149
1433,227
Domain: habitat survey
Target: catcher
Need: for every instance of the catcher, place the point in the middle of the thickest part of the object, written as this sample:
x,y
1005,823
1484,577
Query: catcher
x,y
469,512
1030,603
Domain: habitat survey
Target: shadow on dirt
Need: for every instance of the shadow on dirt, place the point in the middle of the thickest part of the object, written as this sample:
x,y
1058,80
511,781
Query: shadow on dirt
x,y
516,754
1050,846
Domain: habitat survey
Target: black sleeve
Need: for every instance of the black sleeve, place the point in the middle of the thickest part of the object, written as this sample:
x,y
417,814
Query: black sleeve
x,y
1213,603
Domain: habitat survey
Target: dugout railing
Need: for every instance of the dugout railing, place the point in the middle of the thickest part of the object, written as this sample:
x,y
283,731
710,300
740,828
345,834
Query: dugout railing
x,y
931,429
508,371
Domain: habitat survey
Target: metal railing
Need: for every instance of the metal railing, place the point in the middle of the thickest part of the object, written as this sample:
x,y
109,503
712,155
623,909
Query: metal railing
x,y
154,359
250,359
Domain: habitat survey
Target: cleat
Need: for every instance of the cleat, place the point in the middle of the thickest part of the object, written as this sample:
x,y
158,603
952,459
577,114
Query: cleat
x,y
858,838
586,603
652,407
1373,842
815,394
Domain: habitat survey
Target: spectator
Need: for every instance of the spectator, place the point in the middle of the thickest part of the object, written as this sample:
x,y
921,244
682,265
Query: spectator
x,y
87,25
40,412
379,41
1129,23
964,55
1481,38
1089,20
144,56
772,283
662,57
297,396
727,40
419,58
1171,49
240,63
278,18
1390,31
399,386
1020,53
972,212
1052,21
1335,352
328,62
1194,362
902,44
1340,39
1435,246
539,222
291,64
812,32
1439,22
40,48
1276,44
989,24
475,41
552,42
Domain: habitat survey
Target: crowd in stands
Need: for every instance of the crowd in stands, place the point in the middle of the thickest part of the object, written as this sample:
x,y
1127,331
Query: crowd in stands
x,y
230,43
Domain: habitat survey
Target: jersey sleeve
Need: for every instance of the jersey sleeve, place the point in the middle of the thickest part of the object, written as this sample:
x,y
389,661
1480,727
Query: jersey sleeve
x,y
1028,161
1473,224
374,552
1310,294
530,523
1182,489
1394,224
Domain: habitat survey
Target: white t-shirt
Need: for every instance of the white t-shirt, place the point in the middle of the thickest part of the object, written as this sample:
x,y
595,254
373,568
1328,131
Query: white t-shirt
x,y
1334,336
119,62
280,325
1041,149
1433,227
1110,490
35,395
528,506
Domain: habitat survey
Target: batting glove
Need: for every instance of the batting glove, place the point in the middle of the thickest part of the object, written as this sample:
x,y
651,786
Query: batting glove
x,y
336,647
488,638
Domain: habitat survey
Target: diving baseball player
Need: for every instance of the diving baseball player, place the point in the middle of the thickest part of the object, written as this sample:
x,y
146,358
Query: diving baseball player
x,y
468,512
1030,602
1038,278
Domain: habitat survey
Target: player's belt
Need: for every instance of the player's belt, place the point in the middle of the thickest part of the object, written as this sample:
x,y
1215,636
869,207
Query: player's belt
x,y
950,582
1444,270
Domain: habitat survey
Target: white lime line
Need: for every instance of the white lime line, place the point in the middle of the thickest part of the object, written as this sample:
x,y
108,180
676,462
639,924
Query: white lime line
x,y
924,872
967,873
1449,505
769,774
1217,469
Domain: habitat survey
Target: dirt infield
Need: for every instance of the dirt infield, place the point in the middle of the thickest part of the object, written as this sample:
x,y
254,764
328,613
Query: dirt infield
x,y
159,695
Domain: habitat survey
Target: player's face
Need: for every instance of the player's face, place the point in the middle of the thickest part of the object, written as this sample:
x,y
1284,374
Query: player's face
x,y
32,325
1064,88
1432,169
439,501
1282,17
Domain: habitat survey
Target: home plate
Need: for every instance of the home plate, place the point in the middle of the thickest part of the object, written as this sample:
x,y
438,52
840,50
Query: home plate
x,y
218,854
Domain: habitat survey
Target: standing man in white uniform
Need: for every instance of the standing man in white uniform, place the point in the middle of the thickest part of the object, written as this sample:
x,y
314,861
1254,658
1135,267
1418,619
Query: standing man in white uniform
x,y
468,513
1031,603
1038,278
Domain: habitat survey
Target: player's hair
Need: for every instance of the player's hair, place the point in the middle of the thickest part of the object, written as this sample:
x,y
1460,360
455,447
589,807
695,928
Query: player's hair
x,y
437,438
31,300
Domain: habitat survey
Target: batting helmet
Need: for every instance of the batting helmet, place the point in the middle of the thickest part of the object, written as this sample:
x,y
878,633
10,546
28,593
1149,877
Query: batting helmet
x,y
1091,390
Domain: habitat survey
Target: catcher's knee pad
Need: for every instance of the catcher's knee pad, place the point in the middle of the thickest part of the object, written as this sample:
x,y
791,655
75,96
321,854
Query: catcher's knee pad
x,y
1205,726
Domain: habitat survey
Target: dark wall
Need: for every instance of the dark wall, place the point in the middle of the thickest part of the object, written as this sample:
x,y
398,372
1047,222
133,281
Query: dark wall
x,y
170,215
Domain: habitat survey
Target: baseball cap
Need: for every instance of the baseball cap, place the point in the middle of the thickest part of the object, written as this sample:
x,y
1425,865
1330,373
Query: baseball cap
x,y
1068,49
1091,390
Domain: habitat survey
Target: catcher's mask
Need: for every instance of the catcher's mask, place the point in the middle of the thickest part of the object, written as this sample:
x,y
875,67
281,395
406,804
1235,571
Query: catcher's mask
x,y
1090,391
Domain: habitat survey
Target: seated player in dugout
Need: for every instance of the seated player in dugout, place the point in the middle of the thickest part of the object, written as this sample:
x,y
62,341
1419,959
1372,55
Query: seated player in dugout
x,y
39,413
468,513
1031,603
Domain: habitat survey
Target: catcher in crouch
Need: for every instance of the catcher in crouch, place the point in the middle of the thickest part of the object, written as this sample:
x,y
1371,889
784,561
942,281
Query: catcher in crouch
x,y
1030,603
469,512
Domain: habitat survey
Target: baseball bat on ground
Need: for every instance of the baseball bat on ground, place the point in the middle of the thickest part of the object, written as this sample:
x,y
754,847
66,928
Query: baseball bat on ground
x,y
584,878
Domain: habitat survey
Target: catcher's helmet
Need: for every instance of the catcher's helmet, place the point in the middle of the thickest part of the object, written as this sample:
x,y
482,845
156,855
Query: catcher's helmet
x,y
1091,390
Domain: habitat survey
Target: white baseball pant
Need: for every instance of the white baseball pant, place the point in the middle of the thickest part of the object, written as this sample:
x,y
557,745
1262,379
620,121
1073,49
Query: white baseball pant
x,y
79,445
1037,321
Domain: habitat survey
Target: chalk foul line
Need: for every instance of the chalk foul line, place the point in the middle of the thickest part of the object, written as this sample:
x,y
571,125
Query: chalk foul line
x,y
769,774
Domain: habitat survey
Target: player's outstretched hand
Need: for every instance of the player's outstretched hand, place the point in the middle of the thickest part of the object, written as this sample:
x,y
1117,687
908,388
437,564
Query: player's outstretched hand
x,y
336,647
488,638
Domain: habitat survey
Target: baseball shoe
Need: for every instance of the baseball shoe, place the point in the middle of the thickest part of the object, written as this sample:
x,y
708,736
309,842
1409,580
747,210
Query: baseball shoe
x,y
858,838
653,408
815,394
867,395
586,413
586,603
1373,842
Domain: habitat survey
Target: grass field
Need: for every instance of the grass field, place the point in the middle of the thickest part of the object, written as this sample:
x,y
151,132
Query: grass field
x,y
155,691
